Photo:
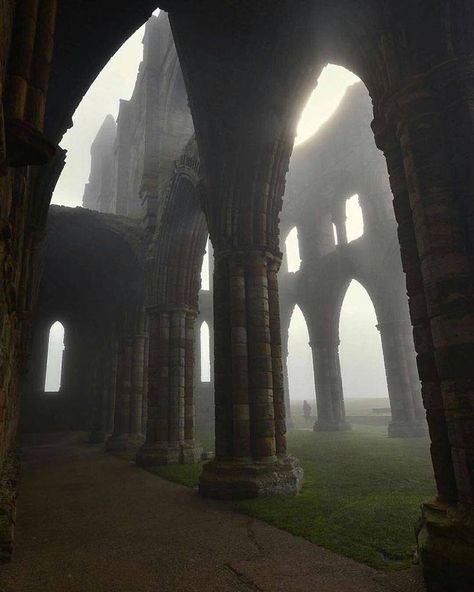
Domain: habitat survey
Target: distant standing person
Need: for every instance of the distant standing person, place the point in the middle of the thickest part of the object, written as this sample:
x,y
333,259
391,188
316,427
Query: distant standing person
x,y
306,412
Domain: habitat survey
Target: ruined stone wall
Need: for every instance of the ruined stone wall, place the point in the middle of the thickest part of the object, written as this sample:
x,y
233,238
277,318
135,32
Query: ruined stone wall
x,y
26,33
81,246
153,128
342,160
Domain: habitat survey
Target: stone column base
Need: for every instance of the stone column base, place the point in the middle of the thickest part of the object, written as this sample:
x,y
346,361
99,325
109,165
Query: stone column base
x,y
191,453
240,480
153,455
416,429
331,426
446,547
124,443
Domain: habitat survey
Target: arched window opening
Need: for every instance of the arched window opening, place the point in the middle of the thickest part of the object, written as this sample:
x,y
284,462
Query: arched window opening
x,y
205,269
324,100
300,362
354,218
334,231
293,251
361,356
54,364
205,353
116,81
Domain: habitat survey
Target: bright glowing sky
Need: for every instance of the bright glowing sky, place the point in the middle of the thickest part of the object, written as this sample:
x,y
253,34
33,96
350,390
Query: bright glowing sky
x,y
362,370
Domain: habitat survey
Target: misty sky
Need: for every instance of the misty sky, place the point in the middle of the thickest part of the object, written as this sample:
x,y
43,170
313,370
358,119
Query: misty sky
x,y
361,354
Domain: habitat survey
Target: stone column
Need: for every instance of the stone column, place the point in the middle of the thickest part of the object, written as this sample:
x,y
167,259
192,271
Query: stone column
x,y
408,416
138,373
328,383
427,134
112,370
170,425
251,454
145,383
189,450
124,437
97,368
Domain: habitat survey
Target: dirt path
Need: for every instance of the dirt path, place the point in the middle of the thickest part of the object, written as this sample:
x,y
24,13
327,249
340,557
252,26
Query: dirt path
x,y
88,522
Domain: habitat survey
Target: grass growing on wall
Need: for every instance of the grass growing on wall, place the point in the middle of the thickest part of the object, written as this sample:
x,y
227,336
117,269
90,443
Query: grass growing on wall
x,y
361,497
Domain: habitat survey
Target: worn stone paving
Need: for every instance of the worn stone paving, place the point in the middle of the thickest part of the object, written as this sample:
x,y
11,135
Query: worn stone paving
x,y
89,522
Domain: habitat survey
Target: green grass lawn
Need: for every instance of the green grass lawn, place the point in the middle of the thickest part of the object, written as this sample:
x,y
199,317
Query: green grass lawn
x,y
361,496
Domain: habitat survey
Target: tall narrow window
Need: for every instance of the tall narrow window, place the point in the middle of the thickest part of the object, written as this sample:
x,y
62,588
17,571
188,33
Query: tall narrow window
x,y
205,282
354,218
293,251
54,364
361,356
334,231
300,360
205,353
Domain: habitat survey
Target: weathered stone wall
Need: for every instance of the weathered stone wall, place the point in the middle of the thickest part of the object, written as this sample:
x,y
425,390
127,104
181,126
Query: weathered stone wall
x,y
26,33
82,246
131,168
339,161
248,67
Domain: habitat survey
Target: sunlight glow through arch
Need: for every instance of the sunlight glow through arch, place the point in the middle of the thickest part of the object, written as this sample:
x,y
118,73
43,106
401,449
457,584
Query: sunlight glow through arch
x,y
300,360
324,100
292,249
354,219
360,352
205,279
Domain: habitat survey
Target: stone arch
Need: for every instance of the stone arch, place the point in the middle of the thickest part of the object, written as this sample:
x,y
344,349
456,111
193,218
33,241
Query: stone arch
x,y
180,240
367,334
299,310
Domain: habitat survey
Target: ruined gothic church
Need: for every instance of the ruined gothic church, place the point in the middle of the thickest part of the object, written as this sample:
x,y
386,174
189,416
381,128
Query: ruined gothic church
x,y
201,159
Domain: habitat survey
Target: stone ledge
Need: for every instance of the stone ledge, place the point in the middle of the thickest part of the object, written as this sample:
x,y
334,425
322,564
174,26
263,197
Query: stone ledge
x,y
235,480
161,454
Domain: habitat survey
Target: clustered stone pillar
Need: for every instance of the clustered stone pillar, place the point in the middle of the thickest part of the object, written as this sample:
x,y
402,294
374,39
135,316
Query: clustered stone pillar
x,y
138,377
27,81
99,394
251,454
170,424
127,433
112,385
408,415
427,134
328,385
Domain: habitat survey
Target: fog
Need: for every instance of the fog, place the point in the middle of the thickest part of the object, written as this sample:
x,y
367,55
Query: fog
x,y
361,354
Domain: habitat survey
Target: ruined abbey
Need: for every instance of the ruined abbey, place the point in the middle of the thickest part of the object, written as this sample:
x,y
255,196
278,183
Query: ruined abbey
x,y
201,160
